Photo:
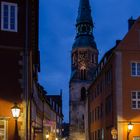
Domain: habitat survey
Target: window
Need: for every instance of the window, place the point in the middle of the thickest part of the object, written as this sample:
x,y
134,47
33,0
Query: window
x,y
98,90
53,105
83,93
93,116
3,130
83,118
135,97
93,58
135,69
108,105
9,16
83,74
59,110
101,110
56,107
96,134
136,138
101,86
98,112
108,76
93,136
99,134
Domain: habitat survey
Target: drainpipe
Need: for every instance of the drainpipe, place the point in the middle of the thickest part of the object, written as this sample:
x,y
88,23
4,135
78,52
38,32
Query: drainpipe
x,y
26,70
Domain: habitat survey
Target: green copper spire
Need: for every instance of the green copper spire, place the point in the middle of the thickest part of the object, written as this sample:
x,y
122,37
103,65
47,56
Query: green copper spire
x,y
84,12
84,26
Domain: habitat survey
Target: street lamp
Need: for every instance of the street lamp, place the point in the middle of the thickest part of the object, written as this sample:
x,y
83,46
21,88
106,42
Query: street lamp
x,y
16,112
114,133
47,136
57,130
130,127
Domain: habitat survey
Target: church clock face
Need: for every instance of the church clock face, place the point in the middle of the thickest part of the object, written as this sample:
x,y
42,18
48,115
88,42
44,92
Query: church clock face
x,y
83,58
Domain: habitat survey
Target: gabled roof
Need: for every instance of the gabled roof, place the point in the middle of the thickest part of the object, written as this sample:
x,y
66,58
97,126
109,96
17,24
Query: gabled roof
x,y
131,41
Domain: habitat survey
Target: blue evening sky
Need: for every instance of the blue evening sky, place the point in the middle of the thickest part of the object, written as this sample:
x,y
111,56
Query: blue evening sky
x,y
57,32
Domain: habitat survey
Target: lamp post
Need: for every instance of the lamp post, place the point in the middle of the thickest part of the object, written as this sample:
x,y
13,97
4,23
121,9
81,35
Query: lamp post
x,y
47,136
114,133
16,112
57,134
130,127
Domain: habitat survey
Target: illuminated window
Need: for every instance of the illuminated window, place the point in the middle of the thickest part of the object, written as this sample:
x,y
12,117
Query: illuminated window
x,y
135,69
136,138
3,130
135,98
9,16
83,74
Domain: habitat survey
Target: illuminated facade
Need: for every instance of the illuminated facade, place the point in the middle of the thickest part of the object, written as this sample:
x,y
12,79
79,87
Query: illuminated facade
x,y
20,64
114,95
19,60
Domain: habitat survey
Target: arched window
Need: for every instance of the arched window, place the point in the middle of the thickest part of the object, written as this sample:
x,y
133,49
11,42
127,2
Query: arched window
x,y
83,73
83,93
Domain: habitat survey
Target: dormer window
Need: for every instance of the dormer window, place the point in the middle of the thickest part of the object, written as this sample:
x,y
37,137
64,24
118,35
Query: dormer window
x,y
9,16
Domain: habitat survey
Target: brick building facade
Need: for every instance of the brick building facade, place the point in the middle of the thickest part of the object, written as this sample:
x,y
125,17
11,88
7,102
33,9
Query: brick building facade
x,y
114,95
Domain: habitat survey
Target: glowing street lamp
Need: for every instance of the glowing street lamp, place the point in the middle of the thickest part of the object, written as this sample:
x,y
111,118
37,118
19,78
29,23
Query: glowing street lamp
x,y
47,136
114,133
130,126
15,111
57,130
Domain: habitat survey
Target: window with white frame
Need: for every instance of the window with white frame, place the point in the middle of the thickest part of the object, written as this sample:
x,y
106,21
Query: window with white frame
x,y
9,16
135,97
135,68
3,130
136,138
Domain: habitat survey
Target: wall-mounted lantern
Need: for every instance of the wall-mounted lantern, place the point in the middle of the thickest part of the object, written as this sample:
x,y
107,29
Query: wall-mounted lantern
x,y
114,133
47,136
15,111
130,126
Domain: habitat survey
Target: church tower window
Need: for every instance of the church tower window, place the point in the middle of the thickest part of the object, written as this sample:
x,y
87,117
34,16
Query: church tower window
x,y
83,73
83,93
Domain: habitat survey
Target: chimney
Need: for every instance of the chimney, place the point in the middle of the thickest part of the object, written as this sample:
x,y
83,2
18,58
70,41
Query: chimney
x,y
131,21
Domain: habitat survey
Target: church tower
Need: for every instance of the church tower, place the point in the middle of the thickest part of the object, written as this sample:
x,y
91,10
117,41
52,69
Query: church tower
x,y
84,59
